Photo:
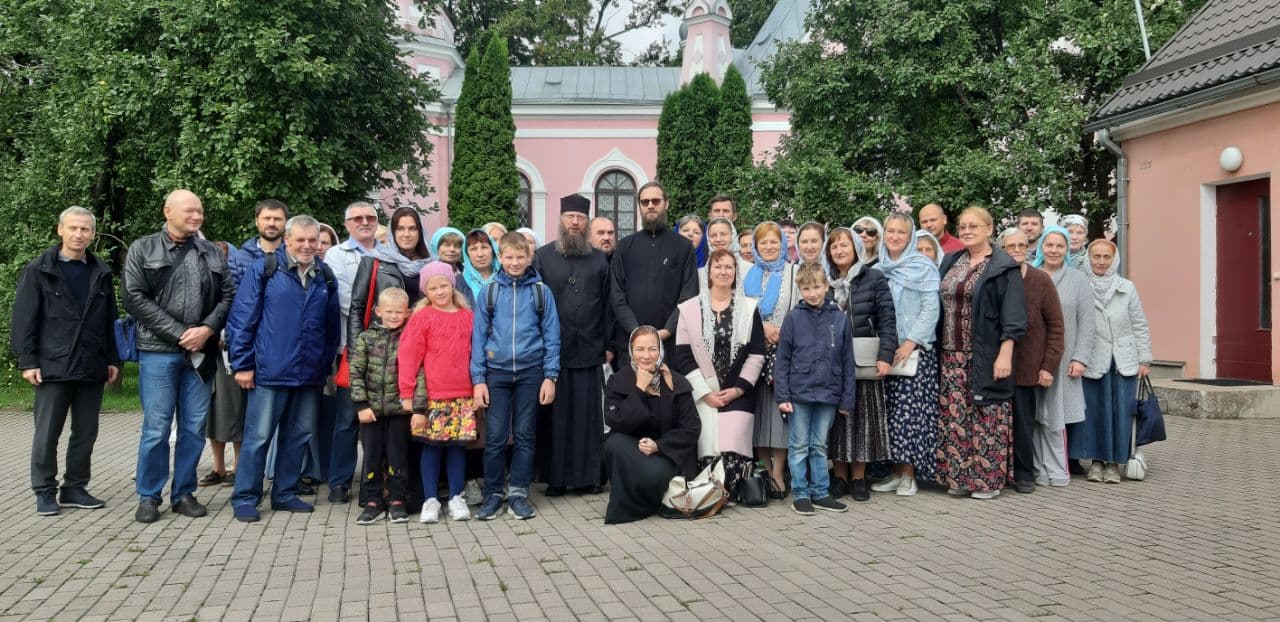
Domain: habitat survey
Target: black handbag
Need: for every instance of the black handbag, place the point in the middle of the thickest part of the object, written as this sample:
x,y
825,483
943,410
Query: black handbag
x,y
753,490
1149,416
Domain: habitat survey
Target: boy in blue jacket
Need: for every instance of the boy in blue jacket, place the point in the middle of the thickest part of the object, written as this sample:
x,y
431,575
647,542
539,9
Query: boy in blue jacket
x,y
813,375
515,360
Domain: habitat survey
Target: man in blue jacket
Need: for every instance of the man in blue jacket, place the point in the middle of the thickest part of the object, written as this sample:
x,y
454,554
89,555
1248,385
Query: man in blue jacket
x,y
289,310
269,216
515,361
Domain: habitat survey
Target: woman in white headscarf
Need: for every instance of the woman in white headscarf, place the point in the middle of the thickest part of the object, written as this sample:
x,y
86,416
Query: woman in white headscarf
x,y
1078,240
1121,355
868,229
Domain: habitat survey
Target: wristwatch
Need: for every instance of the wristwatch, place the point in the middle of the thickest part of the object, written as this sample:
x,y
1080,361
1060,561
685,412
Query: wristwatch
x,y
553,380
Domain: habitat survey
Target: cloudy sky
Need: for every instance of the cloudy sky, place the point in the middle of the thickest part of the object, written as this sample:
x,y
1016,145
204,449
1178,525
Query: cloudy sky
x,y
637,41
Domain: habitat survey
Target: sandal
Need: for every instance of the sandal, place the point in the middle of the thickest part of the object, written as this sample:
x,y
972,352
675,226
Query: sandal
x,y
213,478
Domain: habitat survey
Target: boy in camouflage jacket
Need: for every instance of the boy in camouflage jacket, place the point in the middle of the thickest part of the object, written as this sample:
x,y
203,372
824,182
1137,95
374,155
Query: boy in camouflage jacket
x,y
384,424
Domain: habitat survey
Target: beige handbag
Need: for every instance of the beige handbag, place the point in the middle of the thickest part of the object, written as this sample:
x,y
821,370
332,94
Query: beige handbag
x,y
700,497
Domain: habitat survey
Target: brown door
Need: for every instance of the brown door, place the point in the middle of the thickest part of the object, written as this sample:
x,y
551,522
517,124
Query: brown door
x,y
1244,281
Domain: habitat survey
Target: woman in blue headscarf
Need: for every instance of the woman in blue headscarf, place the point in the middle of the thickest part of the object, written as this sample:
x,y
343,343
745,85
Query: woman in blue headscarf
x,y
446,246
479,262
692,229
912,401
771,281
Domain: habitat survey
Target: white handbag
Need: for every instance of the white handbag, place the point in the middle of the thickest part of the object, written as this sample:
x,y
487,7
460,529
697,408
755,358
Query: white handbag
x,y
700,497
865,349
1136,468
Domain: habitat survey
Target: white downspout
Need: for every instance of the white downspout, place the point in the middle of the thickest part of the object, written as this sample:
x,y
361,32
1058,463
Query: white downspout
x,y
1122,197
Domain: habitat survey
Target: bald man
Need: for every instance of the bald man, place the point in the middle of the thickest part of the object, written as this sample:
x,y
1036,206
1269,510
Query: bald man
x,y
179,288
934,220
603,234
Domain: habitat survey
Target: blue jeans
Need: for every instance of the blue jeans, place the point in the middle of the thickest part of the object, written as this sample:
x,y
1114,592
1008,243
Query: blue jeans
x,y
346,436
807,449
513,408
167,384
291,410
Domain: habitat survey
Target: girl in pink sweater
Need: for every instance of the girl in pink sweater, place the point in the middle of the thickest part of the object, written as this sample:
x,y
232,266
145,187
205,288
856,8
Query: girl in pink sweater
x,y
438,341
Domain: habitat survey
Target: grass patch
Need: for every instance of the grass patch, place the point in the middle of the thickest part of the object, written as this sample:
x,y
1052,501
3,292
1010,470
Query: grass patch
x,y
502,585
485,560
83,561
686,603
18,396
909,536
133,548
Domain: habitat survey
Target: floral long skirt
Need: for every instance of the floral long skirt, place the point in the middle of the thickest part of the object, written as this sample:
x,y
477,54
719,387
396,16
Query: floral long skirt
x,y
974,442
913,416
864,435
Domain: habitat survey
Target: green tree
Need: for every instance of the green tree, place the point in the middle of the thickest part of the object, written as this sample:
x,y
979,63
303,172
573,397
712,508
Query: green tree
x,y
952,100
110,105
484,183
748,17
732,135
686,149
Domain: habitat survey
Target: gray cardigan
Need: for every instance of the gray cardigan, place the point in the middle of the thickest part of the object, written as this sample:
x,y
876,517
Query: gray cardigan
x,y
1063,401
1122,334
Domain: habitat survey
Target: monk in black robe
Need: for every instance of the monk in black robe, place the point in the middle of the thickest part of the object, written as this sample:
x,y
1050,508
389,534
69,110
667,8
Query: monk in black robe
x,y
570,430
653,269
653,431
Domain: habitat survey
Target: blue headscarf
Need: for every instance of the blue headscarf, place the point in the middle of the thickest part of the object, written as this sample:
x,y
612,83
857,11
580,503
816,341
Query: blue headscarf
x,y
764,279
434,245
911,270
701,250
1066,240
472,276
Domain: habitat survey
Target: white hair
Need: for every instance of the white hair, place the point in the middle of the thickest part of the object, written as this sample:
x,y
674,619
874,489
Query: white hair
x,y
76,210
302,220
346,214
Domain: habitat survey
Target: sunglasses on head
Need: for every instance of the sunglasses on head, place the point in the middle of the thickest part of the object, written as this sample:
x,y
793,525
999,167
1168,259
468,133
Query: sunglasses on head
x,y
870,231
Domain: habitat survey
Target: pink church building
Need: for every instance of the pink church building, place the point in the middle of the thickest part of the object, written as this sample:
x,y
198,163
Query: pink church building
x,y
593,130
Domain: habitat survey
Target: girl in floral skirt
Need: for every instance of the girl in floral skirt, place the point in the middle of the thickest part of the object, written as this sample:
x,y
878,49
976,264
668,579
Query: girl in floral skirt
x,y
438,341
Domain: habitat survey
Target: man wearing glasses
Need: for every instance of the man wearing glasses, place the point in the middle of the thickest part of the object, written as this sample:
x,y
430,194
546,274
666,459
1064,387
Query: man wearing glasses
x,y
361,221
653,270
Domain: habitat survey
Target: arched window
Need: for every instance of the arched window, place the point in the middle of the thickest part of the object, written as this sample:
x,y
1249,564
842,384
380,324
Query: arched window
x,y
525,202
616,199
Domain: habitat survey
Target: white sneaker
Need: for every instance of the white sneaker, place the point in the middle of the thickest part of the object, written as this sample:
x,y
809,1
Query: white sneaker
x,y
458,508
985,494
472,492
957,492
907,487
1095,471
889,483
430,511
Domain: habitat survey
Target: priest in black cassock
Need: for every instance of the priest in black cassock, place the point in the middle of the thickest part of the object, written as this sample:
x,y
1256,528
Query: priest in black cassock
x,y
654,269
570,430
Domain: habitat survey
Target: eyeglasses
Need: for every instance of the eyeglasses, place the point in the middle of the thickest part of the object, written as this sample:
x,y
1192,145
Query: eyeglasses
x,y
1017,245
364,218
970,227
870,231
648,202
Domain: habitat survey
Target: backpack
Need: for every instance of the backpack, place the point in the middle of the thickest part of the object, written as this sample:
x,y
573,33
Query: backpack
x,y
126,337
491,299
270,263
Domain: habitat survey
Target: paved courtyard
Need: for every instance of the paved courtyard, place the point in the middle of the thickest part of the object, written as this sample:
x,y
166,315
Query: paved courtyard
x,y
1200,539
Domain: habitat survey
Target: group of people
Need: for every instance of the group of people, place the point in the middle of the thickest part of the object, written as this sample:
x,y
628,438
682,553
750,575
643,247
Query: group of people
x,y
484,362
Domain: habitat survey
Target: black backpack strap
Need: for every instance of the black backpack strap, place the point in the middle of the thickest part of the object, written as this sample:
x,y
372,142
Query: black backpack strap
x,y
269,265
490,297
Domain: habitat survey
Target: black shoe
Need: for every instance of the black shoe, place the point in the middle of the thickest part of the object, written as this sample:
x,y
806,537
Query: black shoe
x,y
79,498
1024,486
839,488
554,491
148,511
830,505
802,507
370,514
46,503
310,481
398,513
305,490
339,494
189,507
859,490
588,490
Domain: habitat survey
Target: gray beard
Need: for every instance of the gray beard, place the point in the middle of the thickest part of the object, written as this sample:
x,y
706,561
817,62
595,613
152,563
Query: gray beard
x,y
573,244
656,225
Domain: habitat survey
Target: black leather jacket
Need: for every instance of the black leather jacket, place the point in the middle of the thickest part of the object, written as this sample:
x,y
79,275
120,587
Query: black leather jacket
x,y
150,284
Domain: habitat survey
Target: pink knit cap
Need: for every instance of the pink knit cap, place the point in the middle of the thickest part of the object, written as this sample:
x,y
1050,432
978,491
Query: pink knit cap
x,y
435,268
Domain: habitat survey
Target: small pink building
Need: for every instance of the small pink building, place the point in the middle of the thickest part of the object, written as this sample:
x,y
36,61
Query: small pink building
x,y
593,130
1199,128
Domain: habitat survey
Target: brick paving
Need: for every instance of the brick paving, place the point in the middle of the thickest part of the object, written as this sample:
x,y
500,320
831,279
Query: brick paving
x,y
1200,539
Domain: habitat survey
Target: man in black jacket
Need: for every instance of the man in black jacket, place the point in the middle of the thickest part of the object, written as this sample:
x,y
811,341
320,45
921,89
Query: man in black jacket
x,y
179,288
61,333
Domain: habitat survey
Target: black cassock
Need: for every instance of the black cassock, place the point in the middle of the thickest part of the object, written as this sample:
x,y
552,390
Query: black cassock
x,y
568,452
